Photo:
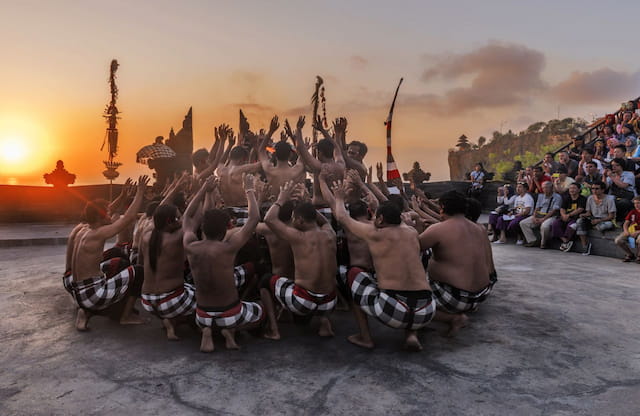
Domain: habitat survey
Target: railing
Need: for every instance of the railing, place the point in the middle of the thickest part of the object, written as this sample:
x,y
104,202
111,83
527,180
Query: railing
x,y
591,133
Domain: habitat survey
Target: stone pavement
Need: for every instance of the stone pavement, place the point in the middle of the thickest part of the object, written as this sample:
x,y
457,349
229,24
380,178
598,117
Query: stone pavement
x,y
30,234
559,335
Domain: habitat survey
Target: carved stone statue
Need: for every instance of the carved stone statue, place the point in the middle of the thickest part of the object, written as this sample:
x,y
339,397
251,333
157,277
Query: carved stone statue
x,y
59,177
416,175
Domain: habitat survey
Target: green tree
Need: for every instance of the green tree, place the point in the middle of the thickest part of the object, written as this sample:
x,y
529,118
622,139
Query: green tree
x,y
481,141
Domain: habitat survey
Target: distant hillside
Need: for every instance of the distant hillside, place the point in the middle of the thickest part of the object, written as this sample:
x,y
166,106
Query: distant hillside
x,y
498,154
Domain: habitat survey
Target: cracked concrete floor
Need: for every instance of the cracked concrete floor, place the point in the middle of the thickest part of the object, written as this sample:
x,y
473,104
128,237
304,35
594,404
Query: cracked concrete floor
x,y
559,335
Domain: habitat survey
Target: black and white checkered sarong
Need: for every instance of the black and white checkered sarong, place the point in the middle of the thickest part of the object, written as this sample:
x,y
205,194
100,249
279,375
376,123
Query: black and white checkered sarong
x,y
300,300
454,300
241,214
97,293
178,302
241,314
241,273
397,310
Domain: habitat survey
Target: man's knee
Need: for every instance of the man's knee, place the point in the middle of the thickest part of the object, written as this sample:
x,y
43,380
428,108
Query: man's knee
x,y
268,281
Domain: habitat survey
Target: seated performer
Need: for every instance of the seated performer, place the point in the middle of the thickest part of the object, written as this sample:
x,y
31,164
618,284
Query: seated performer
x,y
164,292
94,283
313,288
398,295
461,271
212,266
279,249
231,182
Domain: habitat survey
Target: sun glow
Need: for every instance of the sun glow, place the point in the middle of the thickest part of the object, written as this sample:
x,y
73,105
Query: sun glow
x,y
25,147
13,150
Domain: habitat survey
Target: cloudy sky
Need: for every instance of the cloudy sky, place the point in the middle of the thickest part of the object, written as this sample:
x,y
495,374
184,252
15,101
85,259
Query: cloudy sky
x,y
469,67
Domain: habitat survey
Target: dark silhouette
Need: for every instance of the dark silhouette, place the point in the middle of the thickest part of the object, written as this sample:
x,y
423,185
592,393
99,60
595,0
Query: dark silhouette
x,y
59,177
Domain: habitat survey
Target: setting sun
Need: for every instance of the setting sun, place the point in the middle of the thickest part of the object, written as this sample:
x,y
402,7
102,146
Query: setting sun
x,y
13,150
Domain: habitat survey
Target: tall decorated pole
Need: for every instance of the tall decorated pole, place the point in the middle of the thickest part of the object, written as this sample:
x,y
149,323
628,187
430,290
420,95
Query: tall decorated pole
x,y
111,137
316,99
392,169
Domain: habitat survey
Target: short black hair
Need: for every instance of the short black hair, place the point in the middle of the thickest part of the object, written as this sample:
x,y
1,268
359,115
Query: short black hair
x,y
325,148
588,150
562,169
238,153
600,184
215,223
306,211
358,209
398,200
96,210
453,202
620,161
363,147
151,208
389,212
286,210
473,210
621,147
282,151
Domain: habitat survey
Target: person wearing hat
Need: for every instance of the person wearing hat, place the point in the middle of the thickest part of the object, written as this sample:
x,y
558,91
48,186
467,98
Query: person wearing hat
x,y
575,152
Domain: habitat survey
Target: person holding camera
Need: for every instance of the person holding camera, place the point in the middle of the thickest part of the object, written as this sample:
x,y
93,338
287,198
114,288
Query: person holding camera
x,y
506,197
522,208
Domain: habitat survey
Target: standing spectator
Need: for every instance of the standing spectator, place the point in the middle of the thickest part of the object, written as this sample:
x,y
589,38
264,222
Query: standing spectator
x,y
522,208
547,207
506,198
599,214
599,150
570,164
621,185
562,181
575,151
630,237
629,139
564,227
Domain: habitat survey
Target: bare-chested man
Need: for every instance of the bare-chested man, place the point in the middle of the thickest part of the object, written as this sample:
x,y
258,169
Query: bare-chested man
x,y
212,266
93,284
461,271
399,294
282,172
279,249
164,292
313,289
328,154
231,182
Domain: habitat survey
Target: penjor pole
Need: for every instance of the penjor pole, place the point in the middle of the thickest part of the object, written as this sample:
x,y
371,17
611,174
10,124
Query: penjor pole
x,y
392,169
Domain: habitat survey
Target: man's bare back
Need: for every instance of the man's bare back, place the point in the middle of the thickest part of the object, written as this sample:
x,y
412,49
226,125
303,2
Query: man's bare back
x,y
169,270
282,263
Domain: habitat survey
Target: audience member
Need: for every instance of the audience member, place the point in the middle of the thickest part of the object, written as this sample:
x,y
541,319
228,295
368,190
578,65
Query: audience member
x,y
600,212
547,207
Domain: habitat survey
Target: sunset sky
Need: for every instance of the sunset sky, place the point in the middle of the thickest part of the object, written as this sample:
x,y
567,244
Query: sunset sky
x,y
469,67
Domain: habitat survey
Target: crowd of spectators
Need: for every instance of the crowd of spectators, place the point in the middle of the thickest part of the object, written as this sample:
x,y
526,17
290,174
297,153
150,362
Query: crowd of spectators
x,y
588,185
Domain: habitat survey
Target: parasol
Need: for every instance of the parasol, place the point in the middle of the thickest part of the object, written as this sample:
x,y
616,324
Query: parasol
x,y
154,151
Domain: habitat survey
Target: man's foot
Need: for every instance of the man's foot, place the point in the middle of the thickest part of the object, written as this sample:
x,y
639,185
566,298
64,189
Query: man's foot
x,y
171,330
132,320
563,247
542,246
230,339
412,343
358,340
587,250
325,328
206,343
532,244
628,258
519,242
271,333
82,320
458,322
568,246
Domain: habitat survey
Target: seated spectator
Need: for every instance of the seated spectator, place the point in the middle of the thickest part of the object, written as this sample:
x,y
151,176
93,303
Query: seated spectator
x,y
626,119
564,227
506,198
629,239
477,181
562,181
549,165
599,214
522,208
570,164
611,141
620,152
575,151
547,207
599,150
587,156
536,180
621,185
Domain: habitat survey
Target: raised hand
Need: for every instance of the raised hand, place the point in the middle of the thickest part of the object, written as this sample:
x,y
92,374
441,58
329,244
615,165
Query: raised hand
x,y
379,172
370,175
325,172
353,176
232,139
285,191
300,123
283,136
273,126
211,183
288,131
248,182
340,126
338,189
143,181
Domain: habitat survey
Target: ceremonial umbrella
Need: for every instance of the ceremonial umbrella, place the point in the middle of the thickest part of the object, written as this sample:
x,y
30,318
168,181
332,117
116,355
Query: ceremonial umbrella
x,y
154,151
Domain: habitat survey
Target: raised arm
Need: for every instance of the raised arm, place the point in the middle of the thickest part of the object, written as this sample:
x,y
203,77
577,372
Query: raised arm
x,y
129,216
312,164
360,229
238,239
175,188
279,228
